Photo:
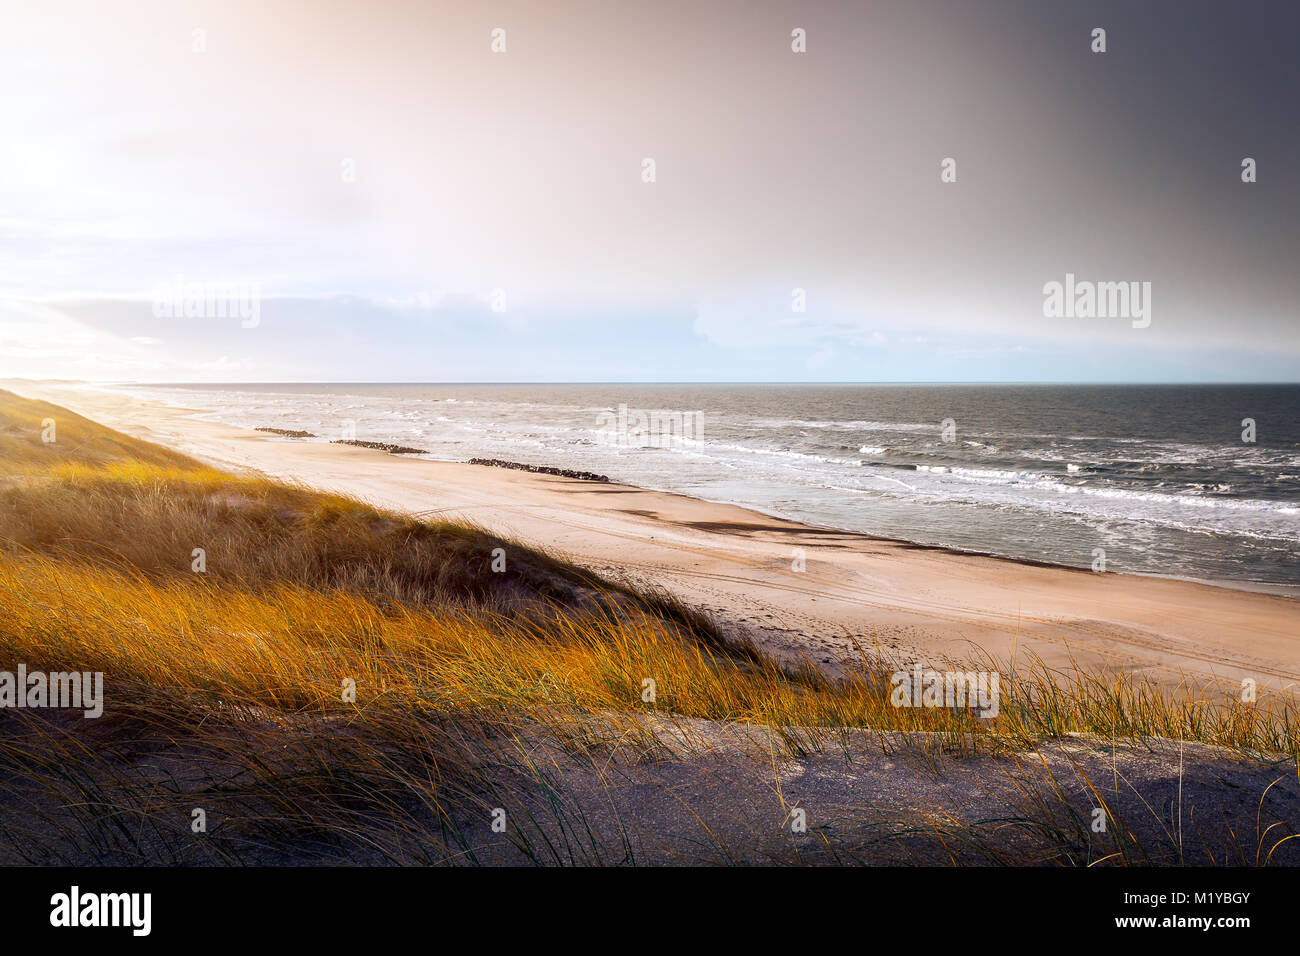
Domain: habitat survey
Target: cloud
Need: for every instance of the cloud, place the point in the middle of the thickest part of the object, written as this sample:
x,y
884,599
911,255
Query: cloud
x,y
132,160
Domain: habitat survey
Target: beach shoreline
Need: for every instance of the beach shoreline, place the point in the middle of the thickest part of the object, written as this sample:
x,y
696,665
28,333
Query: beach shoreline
x,y
918,603
197,413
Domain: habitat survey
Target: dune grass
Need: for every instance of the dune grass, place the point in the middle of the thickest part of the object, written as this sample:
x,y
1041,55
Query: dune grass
x,y
287,647
244,671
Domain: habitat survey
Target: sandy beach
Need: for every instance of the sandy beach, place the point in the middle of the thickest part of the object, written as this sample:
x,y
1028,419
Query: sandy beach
x,y
917,603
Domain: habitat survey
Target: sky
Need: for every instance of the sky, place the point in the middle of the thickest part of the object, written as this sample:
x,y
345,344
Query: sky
x,y
390,198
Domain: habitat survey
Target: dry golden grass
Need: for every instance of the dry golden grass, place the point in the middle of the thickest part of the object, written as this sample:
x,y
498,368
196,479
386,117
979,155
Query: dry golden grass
x,y
451,662
287,647
77,440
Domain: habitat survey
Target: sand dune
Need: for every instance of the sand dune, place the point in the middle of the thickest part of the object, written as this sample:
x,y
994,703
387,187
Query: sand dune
x,y
921,604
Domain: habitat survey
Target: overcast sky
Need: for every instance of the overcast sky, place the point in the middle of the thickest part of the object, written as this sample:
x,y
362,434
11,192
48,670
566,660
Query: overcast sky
x,y
376,172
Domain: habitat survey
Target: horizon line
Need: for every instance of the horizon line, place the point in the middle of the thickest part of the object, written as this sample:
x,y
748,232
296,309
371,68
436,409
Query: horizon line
x,y
116,381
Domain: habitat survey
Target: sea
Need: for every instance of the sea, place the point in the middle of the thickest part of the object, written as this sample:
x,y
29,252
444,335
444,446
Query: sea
x,y
1189,481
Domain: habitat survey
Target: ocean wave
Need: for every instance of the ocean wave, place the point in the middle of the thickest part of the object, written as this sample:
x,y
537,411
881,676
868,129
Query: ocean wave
x,y
1038,481
845,425
776,453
